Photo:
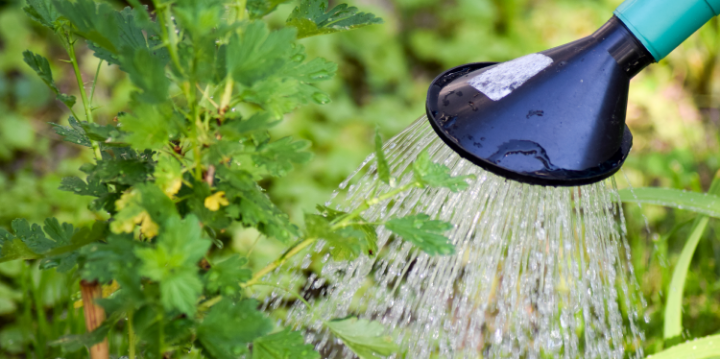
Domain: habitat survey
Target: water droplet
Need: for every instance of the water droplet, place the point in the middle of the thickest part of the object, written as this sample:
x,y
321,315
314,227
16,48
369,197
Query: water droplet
x,y
320,75
321,98
298,58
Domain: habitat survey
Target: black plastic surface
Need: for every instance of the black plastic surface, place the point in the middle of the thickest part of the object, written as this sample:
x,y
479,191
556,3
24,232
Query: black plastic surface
x,y
565,126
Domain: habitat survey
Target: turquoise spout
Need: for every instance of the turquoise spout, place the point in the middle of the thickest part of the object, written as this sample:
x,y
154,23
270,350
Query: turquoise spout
x,y
662,25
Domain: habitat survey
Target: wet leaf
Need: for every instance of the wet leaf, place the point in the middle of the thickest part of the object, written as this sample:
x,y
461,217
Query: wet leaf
x,y
424,233
311,18
283,345
279,156
433,174
365,338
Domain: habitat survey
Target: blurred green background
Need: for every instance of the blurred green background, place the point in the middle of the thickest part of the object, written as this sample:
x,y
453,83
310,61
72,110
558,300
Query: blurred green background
x,y
384,71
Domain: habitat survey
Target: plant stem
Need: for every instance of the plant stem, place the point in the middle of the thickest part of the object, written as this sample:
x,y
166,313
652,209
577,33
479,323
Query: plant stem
x,y
240,6
280,261
294,294
345,220
97,73
131,335
83,94
168,34
299,246
94,316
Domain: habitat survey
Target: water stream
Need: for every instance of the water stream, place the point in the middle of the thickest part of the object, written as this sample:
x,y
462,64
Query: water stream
x,y
539,272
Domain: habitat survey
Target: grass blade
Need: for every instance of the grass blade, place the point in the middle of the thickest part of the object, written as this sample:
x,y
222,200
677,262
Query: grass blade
x,y
705,348
673,307
702,203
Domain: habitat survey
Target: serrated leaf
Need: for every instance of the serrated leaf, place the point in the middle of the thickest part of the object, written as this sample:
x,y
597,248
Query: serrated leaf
x,y
311,18
285,344
42,11
254,207
114,259
436,175
74,133
230,326
150,126
237,129
225,276
259,8
173,263
258,53
126,167
383,169
42,67
273,70
147,72
278,157
365,338
100,133
30,242
424,233
347,242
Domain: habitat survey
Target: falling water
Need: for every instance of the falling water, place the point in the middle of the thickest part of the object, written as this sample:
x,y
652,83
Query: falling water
x,y
539,272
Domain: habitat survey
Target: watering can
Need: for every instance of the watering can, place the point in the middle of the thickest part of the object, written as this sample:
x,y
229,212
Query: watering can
x,y
557,118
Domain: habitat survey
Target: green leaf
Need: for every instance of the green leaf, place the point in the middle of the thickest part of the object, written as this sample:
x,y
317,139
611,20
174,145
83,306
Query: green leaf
x,y
283,345
114,259
704,348
382,166
95,22
703,203
272,68
30,242
258,53
147,72
230,326
225,276
121,166
436,175
76,342
150,126
424,233
365,338
255,208
347,242
42,11
42,67
237,129
173,263
259,8
74,133
278,157
100,133
311,19
673,308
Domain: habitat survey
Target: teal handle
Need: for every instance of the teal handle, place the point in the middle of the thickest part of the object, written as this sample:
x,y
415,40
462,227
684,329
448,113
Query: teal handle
x,y
662,25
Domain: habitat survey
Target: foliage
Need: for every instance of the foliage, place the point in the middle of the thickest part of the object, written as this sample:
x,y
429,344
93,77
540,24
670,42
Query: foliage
x,y
381,82
175,170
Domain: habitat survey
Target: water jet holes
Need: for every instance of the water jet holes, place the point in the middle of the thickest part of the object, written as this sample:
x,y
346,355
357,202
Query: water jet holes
x,y
538,113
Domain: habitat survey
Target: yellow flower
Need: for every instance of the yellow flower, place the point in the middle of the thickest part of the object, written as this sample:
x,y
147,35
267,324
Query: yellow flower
x,y
216,200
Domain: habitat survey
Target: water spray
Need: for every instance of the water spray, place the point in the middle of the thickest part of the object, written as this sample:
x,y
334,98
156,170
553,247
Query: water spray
x,y
542,266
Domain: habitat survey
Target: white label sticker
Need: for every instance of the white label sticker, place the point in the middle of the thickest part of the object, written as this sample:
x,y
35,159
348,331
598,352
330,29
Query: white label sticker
x,y
504,78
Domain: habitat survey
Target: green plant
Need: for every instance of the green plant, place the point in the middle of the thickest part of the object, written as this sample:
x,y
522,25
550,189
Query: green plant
x,y
181,165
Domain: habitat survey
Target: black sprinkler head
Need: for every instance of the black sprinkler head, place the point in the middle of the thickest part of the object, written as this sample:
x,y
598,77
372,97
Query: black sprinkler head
x,y
555,118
